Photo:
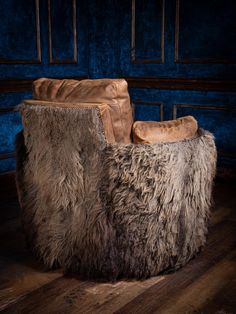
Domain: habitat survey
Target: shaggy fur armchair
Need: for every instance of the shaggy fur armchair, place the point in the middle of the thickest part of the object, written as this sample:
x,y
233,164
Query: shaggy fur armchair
x,y
110,209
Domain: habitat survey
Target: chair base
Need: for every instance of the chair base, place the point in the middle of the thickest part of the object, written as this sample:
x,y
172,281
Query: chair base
x,y
109,210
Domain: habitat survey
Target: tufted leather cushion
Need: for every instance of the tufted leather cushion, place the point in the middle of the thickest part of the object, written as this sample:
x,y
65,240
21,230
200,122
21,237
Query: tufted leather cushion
x,y
150,132
113,92
103,109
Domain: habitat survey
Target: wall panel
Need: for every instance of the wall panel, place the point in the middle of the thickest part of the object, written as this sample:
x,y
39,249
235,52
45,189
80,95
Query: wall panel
x,y
205,31
8,164
171,52
219,120
146,111
20,32
214,111
10,125
62,31
198,39
148,22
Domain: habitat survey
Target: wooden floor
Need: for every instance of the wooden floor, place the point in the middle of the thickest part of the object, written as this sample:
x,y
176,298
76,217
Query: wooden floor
x,y
206,285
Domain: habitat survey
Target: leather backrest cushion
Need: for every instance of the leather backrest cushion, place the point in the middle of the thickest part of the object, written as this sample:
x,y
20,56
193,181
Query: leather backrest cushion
x,y
150,132
104,110
113,92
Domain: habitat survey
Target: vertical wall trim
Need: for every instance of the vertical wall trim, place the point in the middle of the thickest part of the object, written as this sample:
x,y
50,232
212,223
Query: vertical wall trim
x,y
177,8
39,52
133,41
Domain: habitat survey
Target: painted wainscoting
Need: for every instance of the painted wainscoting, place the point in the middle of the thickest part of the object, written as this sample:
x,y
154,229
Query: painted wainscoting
x,y
178,57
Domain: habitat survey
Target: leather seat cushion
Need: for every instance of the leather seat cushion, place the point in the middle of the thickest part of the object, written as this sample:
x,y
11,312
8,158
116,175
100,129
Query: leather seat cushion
x,y
150,132
113,92
104,110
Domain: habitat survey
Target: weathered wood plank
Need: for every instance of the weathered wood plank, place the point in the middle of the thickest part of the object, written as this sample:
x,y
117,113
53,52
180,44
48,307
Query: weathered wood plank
x,y
204,285
70,295
224,302
56,297
19,279
202,291
153,298
20,273
106,298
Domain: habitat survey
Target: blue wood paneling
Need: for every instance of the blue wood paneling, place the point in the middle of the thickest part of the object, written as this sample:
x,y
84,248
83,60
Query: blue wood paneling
x,y
19,31
218,120
62,31
61,49
151,38
103,31
214,111
10,125
8,164
147,31
214,41
146,111
10,100
205,31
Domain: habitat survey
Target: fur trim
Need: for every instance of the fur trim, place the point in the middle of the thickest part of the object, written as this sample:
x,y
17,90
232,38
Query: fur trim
x,y
110,210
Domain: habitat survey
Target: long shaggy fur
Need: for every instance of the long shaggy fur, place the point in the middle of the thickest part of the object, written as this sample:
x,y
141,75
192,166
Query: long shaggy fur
x,y
105,210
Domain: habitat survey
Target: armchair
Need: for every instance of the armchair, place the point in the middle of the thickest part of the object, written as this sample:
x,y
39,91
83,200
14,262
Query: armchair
x,y
97,204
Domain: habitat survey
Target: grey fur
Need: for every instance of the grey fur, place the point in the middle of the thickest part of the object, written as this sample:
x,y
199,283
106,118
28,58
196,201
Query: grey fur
x,y
105,210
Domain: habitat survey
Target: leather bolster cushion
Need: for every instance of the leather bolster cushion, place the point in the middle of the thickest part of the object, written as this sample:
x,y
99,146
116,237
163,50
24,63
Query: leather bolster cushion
x,y
103,109
113,92
150,132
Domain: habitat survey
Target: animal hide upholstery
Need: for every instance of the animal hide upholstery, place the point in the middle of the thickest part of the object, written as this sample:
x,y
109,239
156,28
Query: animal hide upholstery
x,y
110,210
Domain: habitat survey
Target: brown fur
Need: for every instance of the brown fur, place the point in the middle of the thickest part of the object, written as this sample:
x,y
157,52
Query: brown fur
x,y
110,210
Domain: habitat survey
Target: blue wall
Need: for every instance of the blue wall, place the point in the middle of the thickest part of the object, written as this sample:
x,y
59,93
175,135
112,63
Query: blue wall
x,y
130,38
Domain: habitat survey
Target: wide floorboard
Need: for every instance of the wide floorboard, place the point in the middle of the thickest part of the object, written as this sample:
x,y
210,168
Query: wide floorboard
x,y
207,284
